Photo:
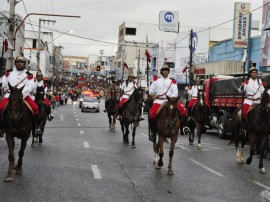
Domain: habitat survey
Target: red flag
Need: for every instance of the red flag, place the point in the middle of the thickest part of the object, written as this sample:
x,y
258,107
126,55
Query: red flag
x,y
7,44
125,65
185,69
148,56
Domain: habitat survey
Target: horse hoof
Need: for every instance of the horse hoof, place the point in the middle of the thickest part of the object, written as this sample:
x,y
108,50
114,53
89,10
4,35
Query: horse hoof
x,y
19,171
199,146
133,146
157,167
8,179
248,161
262,170
170,172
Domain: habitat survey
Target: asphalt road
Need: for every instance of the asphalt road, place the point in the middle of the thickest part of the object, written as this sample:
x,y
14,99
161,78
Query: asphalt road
x,y
80,160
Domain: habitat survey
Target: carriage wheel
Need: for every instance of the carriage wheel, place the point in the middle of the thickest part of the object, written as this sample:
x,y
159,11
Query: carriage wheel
x,y
222,126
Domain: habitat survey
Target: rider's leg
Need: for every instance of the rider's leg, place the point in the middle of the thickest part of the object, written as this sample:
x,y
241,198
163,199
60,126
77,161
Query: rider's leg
x,y
152,121
106,105
2,107
242,131
120,108
48,109
142,110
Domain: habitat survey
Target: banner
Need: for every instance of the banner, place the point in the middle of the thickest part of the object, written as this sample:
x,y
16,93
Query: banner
x,y
241,24
265,36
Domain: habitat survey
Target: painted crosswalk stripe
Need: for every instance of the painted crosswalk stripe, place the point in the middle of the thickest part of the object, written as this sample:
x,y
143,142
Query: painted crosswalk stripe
x,y
262,185
81,132
61,117
79,124
207,168
77,119
86,144
96,172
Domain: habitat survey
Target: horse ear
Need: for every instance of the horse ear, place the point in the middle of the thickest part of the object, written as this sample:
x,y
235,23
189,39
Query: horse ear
x,y
21,88
10,87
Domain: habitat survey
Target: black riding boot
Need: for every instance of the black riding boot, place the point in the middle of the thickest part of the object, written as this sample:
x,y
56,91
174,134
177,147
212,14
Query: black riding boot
x,y
106,105
189,114
49,111
208,125
119,113
242,131
152,125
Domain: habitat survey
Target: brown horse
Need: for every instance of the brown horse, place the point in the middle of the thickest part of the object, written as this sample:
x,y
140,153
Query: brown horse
x,y
112,109
39,121
168,125
199,118
131,115
17,122
258,129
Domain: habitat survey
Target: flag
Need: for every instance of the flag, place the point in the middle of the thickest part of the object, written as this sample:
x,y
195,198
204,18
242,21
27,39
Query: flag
x,y
185,69
148,56
125,65
244,59
7,44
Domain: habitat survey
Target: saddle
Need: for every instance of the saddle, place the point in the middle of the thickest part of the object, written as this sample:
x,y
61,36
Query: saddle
x,y
160,108
251,107
26,104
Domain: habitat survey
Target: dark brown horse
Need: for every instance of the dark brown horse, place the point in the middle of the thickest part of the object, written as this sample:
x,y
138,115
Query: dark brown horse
x,y
131,115
258,129
168,124
17,122
112,109
199,118
39,121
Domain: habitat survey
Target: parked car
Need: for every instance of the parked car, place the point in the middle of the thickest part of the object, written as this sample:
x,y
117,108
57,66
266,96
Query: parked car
x,y
90,104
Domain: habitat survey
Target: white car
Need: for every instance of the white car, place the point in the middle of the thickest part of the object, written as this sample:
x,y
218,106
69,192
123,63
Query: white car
x,y
90,104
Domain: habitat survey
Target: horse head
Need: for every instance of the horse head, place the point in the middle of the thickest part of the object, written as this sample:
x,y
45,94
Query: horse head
x,y
265,100
40,94
138,95
15,103
171,110
113,93
201,95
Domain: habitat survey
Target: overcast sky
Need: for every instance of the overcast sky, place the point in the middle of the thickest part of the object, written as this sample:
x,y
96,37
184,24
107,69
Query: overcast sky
x,y
100,19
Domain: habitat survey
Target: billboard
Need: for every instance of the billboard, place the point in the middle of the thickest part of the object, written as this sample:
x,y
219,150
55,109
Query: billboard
x,y
241,25
265,36
168,21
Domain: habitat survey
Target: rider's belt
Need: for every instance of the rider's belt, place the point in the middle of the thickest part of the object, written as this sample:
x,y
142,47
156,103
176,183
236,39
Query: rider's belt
x,y
126,94
194,97
162,98
253,99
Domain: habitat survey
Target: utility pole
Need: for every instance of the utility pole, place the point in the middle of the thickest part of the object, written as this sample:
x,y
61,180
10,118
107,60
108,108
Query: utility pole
x,y
39,41
12,4
191,71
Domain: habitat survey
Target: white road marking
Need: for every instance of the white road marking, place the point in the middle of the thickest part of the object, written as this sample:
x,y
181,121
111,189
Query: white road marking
x,y
76,115
61,117
96,172
207,168
86,144
81,132
77,119
182,147
79,124
262,185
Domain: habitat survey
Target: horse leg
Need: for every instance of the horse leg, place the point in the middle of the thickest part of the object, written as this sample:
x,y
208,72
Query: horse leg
x,y
252,150
114,122
161,153
33,138
11,159
110,121
156,149
133,145
40,141
126,135
171,152
262,152
199,134
18,167
191,137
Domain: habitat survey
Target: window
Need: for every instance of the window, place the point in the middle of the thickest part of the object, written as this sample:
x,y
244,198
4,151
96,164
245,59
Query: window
x,y
130,31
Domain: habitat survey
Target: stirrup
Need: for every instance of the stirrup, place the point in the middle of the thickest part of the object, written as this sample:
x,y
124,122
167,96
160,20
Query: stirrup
x,y
105,110
186,130
141,118
119,117
190,118
50,117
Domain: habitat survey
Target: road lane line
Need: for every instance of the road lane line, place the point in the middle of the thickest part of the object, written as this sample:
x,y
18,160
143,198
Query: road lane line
x,y
77,119
96,172
262,185
86,145
79,124
61,117
207,168
81,132
76,115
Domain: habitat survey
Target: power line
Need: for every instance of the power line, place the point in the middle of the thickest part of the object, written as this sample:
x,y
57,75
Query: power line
x,y
29,19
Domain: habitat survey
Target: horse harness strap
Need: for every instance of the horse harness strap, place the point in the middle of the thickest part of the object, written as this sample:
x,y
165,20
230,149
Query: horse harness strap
x,y
165,92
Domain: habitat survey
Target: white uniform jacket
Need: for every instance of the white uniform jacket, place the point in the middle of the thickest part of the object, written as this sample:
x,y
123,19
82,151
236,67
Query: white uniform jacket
x,y
18,77
193,92
162,87
253,90
128,89
40,84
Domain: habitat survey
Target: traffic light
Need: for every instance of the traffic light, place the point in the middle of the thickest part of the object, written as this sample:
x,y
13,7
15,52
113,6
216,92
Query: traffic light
x,y
98,68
